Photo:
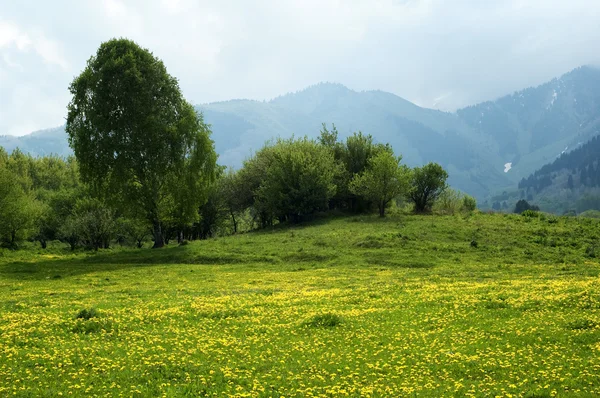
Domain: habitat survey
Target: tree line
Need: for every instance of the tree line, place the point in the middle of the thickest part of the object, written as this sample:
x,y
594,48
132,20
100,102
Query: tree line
x,y
145,166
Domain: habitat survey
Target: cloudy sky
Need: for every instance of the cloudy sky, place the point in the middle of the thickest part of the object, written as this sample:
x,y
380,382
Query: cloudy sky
x,y
436,53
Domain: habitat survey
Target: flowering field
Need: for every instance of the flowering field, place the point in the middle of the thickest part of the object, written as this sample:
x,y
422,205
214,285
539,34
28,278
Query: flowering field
x,y
485,305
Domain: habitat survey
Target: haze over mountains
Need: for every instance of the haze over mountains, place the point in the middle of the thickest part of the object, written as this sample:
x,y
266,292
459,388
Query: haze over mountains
x,y
485,147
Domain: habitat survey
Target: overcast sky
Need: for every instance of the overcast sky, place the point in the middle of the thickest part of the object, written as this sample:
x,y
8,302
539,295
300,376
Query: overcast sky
x,y
436,53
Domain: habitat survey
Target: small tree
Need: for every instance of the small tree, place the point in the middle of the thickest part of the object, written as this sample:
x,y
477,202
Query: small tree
x,y
96,223
355,155
69,231
136,229
383,180
19,211
299,181
231,192
427,183
212,213
469,203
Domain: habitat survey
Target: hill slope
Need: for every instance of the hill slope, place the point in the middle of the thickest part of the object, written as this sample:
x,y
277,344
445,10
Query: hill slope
x,y
356,307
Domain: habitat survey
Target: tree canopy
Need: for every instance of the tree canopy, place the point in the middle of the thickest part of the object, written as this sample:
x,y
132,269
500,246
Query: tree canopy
x,y
383,180
137,140
428,182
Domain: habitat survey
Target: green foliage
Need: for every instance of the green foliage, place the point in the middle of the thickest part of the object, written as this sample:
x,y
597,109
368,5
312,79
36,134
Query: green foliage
x,y
19,210
590,214
289,180
87,314
328,320
469,203
383,180
70,231
212,213
427,184
136,229
231,191
96,223
136,139
531,214
450,201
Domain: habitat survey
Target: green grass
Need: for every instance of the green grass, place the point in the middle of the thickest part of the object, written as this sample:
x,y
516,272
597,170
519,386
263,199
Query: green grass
x,y
344,306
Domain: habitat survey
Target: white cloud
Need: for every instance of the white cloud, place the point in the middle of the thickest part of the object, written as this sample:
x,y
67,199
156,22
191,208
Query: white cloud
x,y
10,35
418,49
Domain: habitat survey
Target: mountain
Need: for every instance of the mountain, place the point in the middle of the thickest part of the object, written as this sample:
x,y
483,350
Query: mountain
x,y
570,183
40,143
485,147
532,127
420,135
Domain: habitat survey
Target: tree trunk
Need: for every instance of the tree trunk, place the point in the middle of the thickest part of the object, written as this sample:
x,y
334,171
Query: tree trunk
x,y
159,239
43,243
234,223
381,209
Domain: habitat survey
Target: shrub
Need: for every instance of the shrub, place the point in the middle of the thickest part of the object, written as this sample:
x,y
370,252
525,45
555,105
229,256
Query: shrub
x,y
531,213
448,202
469,203
87,314
327,320
451,201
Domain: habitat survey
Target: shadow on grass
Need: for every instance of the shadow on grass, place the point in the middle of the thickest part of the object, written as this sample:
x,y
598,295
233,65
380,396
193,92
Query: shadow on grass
x,y
52,268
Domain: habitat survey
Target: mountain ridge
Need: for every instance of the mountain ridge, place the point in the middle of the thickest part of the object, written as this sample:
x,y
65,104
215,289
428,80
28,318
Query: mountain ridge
x,y
525,129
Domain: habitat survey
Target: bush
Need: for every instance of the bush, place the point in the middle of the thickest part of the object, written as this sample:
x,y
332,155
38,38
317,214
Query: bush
x,y
531,213
327,320
469,203
451,201
86,314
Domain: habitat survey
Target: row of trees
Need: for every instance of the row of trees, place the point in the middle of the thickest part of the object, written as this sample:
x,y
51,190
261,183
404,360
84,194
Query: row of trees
x,y
43,199
145,162
286,181
289,180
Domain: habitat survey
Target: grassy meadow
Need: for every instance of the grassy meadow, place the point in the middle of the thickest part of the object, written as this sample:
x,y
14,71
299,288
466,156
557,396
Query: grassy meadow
x,y
471,305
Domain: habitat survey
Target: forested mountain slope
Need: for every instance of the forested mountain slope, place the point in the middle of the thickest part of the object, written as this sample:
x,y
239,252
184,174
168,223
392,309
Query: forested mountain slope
x,y
570,183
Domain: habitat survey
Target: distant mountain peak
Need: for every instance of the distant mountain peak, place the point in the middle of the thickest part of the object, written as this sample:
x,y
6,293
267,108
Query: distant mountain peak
x,y
320,89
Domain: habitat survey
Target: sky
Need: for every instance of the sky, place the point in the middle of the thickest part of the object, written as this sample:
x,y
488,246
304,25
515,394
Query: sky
x,y
442,54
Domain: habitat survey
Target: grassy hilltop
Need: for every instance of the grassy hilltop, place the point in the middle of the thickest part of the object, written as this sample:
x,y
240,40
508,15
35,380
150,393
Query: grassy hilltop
x,y
479,305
